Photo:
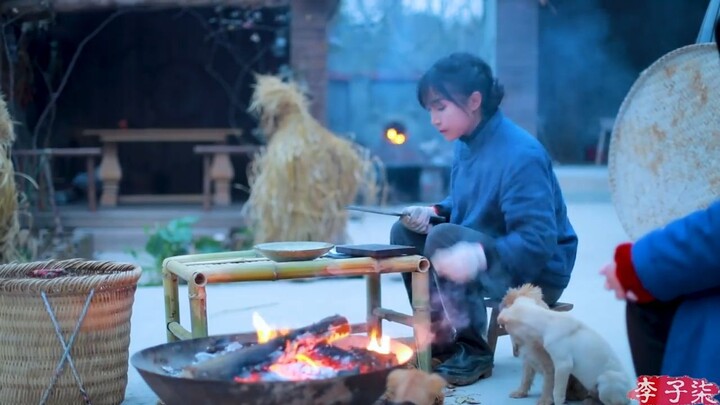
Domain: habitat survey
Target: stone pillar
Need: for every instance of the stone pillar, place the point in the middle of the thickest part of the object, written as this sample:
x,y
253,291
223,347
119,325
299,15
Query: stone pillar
x,y
309,49
517,63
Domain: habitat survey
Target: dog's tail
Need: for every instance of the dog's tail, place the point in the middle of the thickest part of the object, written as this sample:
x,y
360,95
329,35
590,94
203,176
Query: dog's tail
x,y
613,388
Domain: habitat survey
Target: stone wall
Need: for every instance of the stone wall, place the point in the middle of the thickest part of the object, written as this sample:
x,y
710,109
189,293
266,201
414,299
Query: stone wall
x,y
309,48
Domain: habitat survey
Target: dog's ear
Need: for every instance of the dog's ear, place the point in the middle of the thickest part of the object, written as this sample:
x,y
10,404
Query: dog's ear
x,y
509,298
502,317
534,292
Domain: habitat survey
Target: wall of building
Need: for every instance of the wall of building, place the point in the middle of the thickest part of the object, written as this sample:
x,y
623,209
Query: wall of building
x,y
517,59
309,49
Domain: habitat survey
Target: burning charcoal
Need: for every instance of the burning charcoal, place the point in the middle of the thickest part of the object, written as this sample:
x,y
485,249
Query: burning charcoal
x,y
231,364
366,360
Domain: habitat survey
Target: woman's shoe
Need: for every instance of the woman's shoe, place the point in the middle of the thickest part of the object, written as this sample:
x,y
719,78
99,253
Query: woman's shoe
x,y
466,366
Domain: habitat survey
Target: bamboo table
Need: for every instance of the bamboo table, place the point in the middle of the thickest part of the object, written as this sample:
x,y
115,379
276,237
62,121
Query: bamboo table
x,y
244,266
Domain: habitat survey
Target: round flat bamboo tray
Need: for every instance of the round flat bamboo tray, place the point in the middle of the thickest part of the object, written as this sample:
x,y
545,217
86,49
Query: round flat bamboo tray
x,y
663,162
30,350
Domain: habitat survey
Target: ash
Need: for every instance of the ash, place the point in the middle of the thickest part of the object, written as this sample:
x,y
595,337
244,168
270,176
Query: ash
x,y
302,371
205,355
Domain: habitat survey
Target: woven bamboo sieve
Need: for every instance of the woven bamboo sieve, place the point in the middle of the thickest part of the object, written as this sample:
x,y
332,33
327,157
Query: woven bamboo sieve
x,y
30,350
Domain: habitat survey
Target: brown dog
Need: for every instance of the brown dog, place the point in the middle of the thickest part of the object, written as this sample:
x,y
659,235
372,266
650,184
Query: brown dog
x,y
413,387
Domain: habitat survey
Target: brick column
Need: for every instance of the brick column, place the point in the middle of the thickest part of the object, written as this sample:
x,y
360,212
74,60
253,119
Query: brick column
x,y
517,59
309,48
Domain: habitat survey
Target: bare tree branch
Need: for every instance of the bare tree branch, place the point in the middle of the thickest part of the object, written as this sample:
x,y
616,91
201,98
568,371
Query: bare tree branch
x,y
55,95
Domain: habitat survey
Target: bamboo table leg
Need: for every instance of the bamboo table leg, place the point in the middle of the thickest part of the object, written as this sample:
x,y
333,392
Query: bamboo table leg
x,y
421,319
172,306
198,310
374,322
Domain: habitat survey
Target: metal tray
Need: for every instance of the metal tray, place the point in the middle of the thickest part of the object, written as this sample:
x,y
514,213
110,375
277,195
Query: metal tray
x,y
293,251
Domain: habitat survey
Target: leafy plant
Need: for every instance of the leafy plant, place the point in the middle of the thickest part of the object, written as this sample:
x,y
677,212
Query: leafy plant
x,y
174,239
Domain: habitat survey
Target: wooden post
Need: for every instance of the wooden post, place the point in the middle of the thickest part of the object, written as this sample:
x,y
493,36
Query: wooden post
x,y
421,317
110,174
172,305
374,289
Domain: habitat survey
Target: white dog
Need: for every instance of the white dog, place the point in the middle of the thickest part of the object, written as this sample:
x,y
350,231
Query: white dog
x,y
534,356
573,348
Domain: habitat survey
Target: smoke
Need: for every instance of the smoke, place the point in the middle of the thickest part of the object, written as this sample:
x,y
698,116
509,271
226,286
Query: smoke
x,y
592,51
585,74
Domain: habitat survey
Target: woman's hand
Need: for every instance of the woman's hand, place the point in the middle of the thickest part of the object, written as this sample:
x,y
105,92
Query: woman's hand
x,y
417,218
461,262
613,283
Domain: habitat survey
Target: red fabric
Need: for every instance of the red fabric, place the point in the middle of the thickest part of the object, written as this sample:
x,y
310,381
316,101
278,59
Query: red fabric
x,y
626,274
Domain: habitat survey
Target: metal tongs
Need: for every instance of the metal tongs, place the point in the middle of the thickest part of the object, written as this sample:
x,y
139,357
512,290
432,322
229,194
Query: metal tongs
x,y
434,219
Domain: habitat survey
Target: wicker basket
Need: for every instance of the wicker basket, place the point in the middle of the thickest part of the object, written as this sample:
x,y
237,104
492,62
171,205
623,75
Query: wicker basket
x,y
30,349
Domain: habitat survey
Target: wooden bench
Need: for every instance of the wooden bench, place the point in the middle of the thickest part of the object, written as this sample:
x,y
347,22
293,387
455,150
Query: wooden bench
x,y
495,330
219,153
88,153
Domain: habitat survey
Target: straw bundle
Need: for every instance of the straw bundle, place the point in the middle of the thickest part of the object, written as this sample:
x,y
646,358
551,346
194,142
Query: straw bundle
x,y
303,180
9,224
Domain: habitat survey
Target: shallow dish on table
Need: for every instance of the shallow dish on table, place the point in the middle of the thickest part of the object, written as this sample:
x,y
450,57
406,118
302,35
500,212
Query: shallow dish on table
x,y
293,251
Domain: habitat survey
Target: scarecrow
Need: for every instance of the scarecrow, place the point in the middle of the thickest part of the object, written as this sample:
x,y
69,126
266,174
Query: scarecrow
x,y
9,225
302,181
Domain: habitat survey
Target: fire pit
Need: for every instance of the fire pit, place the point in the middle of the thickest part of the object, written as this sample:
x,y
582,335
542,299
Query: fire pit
x,y
318,364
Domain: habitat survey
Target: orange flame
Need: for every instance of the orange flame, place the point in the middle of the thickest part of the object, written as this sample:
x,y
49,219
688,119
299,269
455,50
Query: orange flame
x,y
383,346
402,353
264,331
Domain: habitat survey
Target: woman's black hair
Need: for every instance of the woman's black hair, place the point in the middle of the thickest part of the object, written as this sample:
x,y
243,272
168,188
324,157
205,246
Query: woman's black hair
x,y
459,75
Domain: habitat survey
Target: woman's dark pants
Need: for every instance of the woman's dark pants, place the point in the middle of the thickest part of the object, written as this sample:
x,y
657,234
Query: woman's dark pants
x,y
648,326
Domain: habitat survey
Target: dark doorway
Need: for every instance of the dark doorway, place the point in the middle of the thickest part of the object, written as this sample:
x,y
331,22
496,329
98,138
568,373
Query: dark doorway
x,y
170,68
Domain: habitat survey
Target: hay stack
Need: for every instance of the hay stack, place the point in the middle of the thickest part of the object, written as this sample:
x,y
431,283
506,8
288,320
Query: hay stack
x,y
9,225
306,176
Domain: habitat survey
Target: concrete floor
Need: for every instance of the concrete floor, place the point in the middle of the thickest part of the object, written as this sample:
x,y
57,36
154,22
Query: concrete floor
x,y
289,304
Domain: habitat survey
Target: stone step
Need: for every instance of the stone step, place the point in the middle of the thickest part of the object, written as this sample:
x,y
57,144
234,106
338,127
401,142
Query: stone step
x,y
139,216
125,239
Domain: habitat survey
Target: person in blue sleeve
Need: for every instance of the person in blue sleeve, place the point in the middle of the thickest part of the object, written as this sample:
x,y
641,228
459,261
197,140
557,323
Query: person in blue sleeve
x,y
506,217
671,280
